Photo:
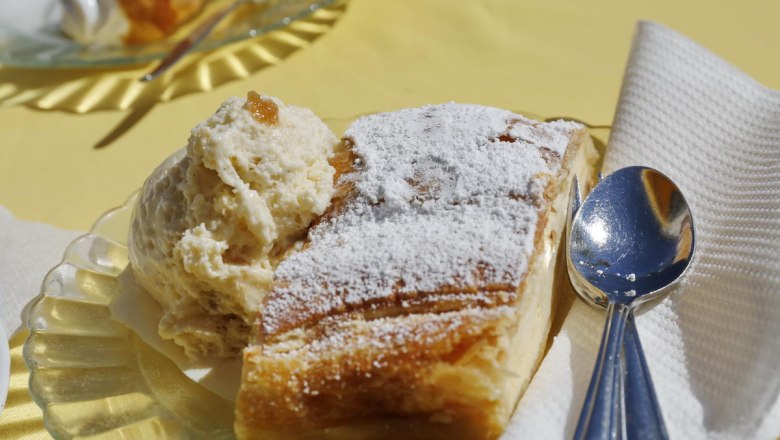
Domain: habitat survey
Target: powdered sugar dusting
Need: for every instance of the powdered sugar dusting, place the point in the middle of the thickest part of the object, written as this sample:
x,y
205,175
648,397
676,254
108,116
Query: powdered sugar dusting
x,y
446,197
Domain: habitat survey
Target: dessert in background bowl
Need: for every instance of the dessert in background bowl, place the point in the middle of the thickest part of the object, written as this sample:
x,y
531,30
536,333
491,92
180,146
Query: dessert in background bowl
x,y
116,22
31,35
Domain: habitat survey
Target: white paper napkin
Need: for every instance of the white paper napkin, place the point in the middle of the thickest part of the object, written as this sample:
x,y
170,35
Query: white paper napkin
x,y
27,252
713,346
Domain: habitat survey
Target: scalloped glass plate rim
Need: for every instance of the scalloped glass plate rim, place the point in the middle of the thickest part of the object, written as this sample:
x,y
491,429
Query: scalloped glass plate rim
x,y
109,228
75,57
30,321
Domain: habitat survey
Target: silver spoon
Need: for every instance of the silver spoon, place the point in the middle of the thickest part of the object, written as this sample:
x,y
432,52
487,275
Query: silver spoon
x,y
629,240
643,418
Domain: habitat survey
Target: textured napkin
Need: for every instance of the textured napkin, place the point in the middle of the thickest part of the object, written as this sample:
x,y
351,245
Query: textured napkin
x,y
713,346
27,252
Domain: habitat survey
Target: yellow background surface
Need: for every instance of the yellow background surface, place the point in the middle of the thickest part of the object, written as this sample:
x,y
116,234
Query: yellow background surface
x,y
544,58
74,143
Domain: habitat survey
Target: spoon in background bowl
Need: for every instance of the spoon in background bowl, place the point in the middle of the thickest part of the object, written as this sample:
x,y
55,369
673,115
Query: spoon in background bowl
x,y
630,240
195,37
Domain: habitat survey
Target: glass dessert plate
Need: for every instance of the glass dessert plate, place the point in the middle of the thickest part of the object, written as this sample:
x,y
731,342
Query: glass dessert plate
x,y
30,35
94,377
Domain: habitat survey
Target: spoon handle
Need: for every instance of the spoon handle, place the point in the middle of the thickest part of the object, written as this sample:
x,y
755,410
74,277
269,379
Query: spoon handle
x,y
190,41
643,414
602,411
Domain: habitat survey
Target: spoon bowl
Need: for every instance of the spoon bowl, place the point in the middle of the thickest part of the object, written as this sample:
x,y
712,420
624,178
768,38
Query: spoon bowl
x,y
631,238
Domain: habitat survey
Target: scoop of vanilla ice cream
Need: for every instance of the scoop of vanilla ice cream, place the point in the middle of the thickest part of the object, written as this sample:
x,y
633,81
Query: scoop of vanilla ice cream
x,y
211,225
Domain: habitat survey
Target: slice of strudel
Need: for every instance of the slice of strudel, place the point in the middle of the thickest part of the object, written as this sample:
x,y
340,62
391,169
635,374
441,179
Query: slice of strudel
x,y
421,303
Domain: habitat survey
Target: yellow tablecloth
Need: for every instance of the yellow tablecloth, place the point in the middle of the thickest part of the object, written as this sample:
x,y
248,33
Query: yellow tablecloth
x,y
76,143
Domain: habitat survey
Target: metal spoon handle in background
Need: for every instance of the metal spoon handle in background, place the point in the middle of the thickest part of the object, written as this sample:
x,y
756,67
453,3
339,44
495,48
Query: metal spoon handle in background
x,y
602,412
643,413
187,43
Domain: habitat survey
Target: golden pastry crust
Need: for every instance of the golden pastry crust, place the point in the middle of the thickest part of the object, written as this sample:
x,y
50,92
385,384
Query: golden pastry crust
x,y
405,361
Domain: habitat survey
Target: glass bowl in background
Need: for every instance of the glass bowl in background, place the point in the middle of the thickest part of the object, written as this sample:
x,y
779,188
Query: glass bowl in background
x,y
30,35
